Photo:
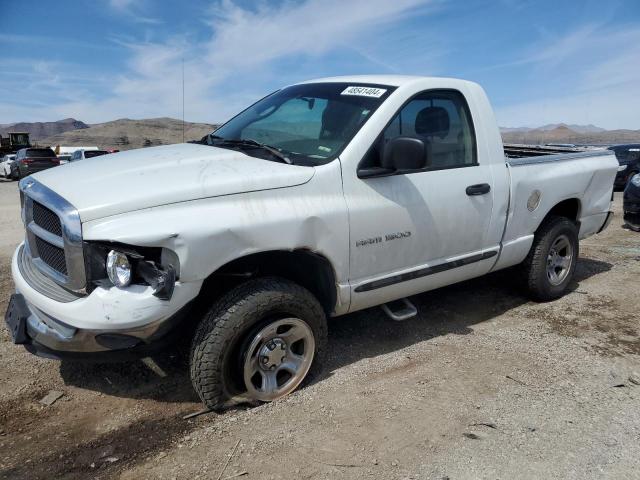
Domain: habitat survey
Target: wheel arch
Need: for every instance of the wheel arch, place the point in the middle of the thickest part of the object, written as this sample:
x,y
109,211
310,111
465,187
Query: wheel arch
x,y
569,208
308,269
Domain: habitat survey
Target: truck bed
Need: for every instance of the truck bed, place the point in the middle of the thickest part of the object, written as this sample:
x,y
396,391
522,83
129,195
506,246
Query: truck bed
x,y
516,150
550,157
582,180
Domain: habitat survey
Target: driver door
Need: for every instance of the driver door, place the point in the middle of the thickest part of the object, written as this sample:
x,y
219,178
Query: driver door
x,y
416,231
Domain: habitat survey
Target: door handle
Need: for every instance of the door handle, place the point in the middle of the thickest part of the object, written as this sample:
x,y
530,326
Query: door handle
x,y
479,189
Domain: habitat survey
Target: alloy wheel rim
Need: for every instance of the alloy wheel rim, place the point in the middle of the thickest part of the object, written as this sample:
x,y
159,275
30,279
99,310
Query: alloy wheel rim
x,y
278,359
559,260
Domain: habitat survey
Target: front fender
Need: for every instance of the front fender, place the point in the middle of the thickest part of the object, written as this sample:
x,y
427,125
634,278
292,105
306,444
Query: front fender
x,y
209,233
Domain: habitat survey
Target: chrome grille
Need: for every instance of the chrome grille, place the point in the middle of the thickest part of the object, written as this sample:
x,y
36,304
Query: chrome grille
x,y
45,218
51,255
53,235
40,282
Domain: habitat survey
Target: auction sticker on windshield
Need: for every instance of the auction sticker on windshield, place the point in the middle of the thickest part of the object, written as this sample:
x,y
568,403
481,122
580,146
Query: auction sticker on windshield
x,y
364,91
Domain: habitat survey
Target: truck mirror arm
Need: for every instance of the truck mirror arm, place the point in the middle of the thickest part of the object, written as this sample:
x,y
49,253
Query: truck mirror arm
x,y
372,172
369,172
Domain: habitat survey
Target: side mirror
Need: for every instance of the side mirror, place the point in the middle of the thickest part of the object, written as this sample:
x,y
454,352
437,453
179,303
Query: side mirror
x,y
404,154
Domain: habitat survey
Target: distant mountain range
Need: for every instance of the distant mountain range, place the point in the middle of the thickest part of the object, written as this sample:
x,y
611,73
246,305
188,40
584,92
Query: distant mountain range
x,y
552,126
562,133
125,134
39,130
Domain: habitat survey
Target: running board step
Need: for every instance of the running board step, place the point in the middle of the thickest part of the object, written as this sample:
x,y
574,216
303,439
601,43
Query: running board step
x,y
400,310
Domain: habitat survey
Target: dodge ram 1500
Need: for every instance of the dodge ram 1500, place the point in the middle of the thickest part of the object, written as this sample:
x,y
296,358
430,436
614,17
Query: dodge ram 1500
x,y
323,198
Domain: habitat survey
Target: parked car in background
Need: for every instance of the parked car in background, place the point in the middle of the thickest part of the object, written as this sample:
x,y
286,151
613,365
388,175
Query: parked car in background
x,y
68,150
631,203
64,153
31,160
84,154
629,159
8,166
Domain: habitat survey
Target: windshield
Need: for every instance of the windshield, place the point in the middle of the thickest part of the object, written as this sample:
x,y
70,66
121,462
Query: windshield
x,y
310,124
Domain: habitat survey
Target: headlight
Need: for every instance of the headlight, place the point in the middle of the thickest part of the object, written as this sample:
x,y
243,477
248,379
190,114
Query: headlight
x,y
118,268
622,168
109,264
636,179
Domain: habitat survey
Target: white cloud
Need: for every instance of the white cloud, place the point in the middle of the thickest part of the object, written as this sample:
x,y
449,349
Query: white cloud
x,y
588,75
242,36
134,10
595,75
612,110
244,43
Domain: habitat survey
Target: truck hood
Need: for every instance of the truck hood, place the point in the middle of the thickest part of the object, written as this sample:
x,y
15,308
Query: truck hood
x,y
122,182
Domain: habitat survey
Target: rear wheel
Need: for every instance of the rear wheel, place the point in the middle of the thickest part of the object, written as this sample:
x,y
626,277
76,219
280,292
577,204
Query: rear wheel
x,y
260,341
551,263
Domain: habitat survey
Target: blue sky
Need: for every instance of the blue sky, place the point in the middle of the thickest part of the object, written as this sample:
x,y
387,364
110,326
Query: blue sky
x,y
540,61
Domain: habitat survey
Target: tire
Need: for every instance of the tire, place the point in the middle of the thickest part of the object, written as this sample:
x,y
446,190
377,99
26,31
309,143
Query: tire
x,y
549,267
225,340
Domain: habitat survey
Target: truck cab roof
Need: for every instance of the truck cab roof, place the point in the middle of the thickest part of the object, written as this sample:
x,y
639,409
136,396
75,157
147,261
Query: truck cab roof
x,y
391,80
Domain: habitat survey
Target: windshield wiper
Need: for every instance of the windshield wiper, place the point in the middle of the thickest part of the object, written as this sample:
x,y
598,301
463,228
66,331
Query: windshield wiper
x,y
248,142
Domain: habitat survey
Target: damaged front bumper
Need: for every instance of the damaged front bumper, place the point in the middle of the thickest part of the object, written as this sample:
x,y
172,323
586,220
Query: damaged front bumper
x,y
47,337
108,324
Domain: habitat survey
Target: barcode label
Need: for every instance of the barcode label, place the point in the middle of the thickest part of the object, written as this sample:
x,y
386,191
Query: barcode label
x,y
364,91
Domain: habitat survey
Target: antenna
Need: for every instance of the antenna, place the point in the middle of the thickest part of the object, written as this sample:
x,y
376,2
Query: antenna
x,y
182,99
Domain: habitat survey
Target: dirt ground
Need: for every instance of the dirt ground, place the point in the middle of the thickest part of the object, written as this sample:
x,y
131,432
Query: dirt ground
x,y
484,384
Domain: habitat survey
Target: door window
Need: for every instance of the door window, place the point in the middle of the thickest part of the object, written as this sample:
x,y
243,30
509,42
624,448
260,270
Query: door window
x,y
441,119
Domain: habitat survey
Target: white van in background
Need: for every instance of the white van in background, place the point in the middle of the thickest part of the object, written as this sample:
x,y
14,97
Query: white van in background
x,y
65,153
84,154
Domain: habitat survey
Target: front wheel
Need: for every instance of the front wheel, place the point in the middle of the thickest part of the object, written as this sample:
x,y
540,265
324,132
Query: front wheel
x,y
260,341
551,263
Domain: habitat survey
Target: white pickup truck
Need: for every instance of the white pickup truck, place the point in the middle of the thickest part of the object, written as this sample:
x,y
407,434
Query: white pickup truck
x,y
323,198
